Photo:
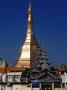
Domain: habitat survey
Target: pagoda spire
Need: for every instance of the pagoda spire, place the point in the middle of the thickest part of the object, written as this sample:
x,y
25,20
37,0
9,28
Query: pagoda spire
x,y
30,7
28,49
30,19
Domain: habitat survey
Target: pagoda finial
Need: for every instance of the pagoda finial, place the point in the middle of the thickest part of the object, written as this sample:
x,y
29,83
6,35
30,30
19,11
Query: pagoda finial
x,y
30,18
30,7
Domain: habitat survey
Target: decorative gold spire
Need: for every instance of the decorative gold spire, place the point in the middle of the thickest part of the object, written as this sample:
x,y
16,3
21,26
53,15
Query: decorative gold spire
x,y
28,49
30,18
30,7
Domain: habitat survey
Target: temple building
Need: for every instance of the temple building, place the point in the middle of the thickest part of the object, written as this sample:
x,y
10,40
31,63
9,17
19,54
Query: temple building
x,y
31,71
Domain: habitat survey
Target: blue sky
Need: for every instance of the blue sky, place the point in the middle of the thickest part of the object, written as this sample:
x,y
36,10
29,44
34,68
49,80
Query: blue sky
x,y
49,25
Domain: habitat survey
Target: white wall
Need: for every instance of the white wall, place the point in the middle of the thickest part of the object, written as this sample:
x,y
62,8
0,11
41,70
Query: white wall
x,y
60,89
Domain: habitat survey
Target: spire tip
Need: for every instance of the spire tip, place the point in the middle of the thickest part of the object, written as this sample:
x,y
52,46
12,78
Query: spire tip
x,y
30,7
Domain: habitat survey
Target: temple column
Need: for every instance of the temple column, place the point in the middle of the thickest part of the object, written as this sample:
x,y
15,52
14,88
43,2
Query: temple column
x,y
31,86
40,86
61,86
0,87
52,85
65,85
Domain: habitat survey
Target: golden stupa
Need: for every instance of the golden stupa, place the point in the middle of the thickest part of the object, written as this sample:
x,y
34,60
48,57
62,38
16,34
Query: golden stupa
x,y
28,49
